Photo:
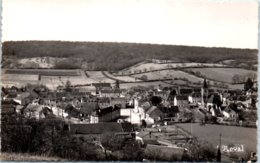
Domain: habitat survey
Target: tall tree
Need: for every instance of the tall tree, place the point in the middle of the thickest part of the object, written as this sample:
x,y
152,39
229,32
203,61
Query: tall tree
x,y
117,84
248,84
68,86
156,100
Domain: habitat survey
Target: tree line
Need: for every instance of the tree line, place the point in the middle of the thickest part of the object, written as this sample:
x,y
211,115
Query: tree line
x,y
115,56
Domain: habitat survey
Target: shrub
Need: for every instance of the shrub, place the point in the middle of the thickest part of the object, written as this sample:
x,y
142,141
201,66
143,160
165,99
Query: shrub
x,y
144,77
67,64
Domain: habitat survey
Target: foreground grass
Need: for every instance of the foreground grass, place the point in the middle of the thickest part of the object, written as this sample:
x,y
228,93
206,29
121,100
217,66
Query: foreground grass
x,y
27,157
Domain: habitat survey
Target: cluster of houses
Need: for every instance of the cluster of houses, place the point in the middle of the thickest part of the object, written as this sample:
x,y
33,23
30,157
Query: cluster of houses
x,y
112,104
109,109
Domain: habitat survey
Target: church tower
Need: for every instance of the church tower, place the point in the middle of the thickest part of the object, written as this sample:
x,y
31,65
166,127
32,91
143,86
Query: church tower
x,y
204,93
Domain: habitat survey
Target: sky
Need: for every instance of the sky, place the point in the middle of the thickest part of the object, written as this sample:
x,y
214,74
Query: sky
x,y
210,23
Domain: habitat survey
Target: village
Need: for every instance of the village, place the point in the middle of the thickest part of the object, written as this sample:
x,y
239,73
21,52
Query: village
x,y
149,116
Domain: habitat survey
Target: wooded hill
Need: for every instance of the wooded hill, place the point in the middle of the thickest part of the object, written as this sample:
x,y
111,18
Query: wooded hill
x,y
115,56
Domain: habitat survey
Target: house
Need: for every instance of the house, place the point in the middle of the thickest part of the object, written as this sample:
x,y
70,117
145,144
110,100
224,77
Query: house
x,y
197,90
72,111
251,91
8,107
94,131
185,91
63,96
103,102
86,109
11,90
80,94
108,114
49,102
119,101
109,92
155,113
225,98
34,111
214,100
245,100
194,98
10,96
215,111
181,101
60,88
23,98
230,114
100,86
163,94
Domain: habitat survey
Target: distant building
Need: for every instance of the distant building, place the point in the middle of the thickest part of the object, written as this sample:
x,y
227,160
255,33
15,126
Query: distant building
x,y
181,101
110,93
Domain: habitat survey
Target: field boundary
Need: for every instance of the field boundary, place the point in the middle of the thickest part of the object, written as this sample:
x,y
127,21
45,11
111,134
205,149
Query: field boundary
x,y
112,78
172,68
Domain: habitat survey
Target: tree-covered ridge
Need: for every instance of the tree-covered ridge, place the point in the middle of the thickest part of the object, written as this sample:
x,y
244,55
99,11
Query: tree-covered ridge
x,y
115,56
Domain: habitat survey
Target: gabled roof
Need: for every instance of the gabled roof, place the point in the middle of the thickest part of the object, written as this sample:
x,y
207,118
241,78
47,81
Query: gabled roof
x,y
228,110
217,111
100,85
80,93
151,109
110,91
119,99
97,128
11,95
106,110
103,100
33,108
127,127
233,106
197,90
186,91
88,107
196,94
181,97
8,102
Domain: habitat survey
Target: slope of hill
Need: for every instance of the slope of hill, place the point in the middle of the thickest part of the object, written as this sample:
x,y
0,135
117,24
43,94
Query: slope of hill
x,y
116,56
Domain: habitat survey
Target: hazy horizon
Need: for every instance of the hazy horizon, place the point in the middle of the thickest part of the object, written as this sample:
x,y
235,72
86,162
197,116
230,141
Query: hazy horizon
x,y
203,23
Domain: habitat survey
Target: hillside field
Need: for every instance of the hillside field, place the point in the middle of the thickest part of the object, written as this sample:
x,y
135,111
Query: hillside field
x,y
157,66
222,74
169,74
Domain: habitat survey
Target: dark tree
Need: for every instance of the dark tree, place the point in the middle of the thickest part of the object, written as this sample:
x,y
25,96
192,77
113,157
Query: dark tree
x,y
144,124
68,86
217,100
117,84
13,53
144,77
156,100
172,94
249,84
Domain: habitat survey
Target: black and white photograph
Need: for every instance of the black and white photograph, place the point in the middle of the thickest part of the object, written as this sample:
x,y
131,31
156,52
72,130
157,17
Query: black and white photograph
x,y
129,80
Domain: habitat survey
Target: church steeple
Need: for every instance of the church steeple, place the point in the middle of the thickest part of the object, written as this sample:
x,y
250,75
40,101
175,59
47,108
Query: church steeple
x,y
204,93
205,85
